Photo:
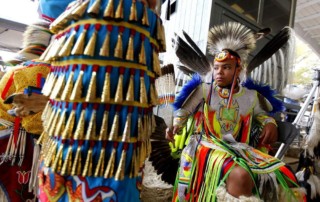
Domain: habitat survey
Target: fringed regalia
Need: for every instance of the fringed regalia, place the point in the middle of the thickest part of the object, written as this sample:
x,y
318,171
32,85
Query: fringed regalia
x,y
17,134
101,86
222,140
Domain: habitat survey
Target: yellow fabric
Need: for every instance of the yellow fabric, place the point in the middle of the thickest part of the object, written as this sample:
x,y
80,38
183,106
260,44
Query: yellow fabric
x,y
24,76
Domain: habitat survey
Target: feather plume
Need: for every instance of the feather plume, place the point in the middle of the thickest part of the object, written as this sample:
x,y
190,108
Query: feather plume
x,y
187,91
190,55
233,36
274,60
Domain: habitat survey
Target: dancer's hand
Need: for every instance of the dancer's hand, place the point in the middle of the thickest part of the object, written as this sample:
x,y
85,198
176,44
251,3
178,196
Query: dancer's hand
x,y
269,134
171,132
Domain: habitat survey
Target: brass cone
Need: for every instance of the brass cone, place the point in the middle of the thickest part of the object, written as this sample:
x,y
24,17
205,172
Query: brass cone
x,y
47,83
87,169
109,11
133,162
67,132
142,55
118,50
54,123
114,129
90,48
143,91
79,11
60,125
44,54
153,95
91,93
79,133
105,97
103,135
76,165
50,84
133,12
91,130
119,11
130,50
130,91
121,166
94,9
66,48
79,46
104,50
145,18
100,165
77,89
66,169
57,163
156,63
110,166
69,86
57,88
127,129
60,42
119,92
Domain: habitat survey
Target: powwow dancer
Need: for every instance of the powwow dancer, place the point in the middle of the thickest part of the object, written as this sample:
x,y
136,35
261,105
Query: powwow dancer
x,y
219,164
99,118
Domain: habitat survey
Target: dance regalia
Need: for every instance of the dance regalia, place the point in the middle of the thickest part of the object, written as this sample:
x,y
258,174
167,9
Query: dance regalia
x,y
99,118
221,140
17,133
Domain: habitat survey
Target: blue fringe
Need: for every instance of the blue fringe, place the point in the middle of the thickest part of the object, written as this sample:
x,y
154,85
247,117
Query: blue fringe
x,y
267,92
186,91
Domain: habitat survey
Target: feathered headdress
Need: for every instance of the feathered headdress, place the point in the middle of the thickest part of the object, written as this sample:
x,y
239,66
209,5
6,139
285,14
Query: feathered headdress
x,y
232,36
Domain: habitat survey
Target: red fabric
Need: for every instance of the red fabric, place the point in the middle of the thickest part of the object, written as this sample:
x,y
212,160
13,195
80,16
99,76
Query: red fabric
x,y
15,179
7,87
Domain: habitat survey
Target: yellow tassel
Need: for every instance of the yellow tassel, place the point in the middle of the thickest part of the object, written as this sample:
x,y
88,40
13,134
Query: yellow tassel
x,y
66,169
110,166
77,88
104,50
118,51
78,12
79,46
118,98
91,130
142,55
76,165
143,91
47,111
133,12
91,46
67,132
87,169
119,11
115,125
100,165
156,63
91,93
130,49
145,18
53,48
103,135
56,91
66,48
94,9
57,163
79,133
161,36
48,81
105,97
69,85
61,124
109,11
127,127
121,166
130,91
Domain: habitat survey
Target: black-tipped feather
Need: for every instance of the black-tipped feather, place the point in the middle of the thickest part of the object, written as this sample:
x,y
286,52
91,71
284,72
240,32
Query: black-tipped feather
x,y
270,48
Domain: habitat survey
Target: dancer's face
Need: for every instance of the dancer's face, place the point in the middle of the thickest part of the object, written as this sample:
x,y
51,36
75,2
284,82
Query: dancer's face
x,y
223,72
